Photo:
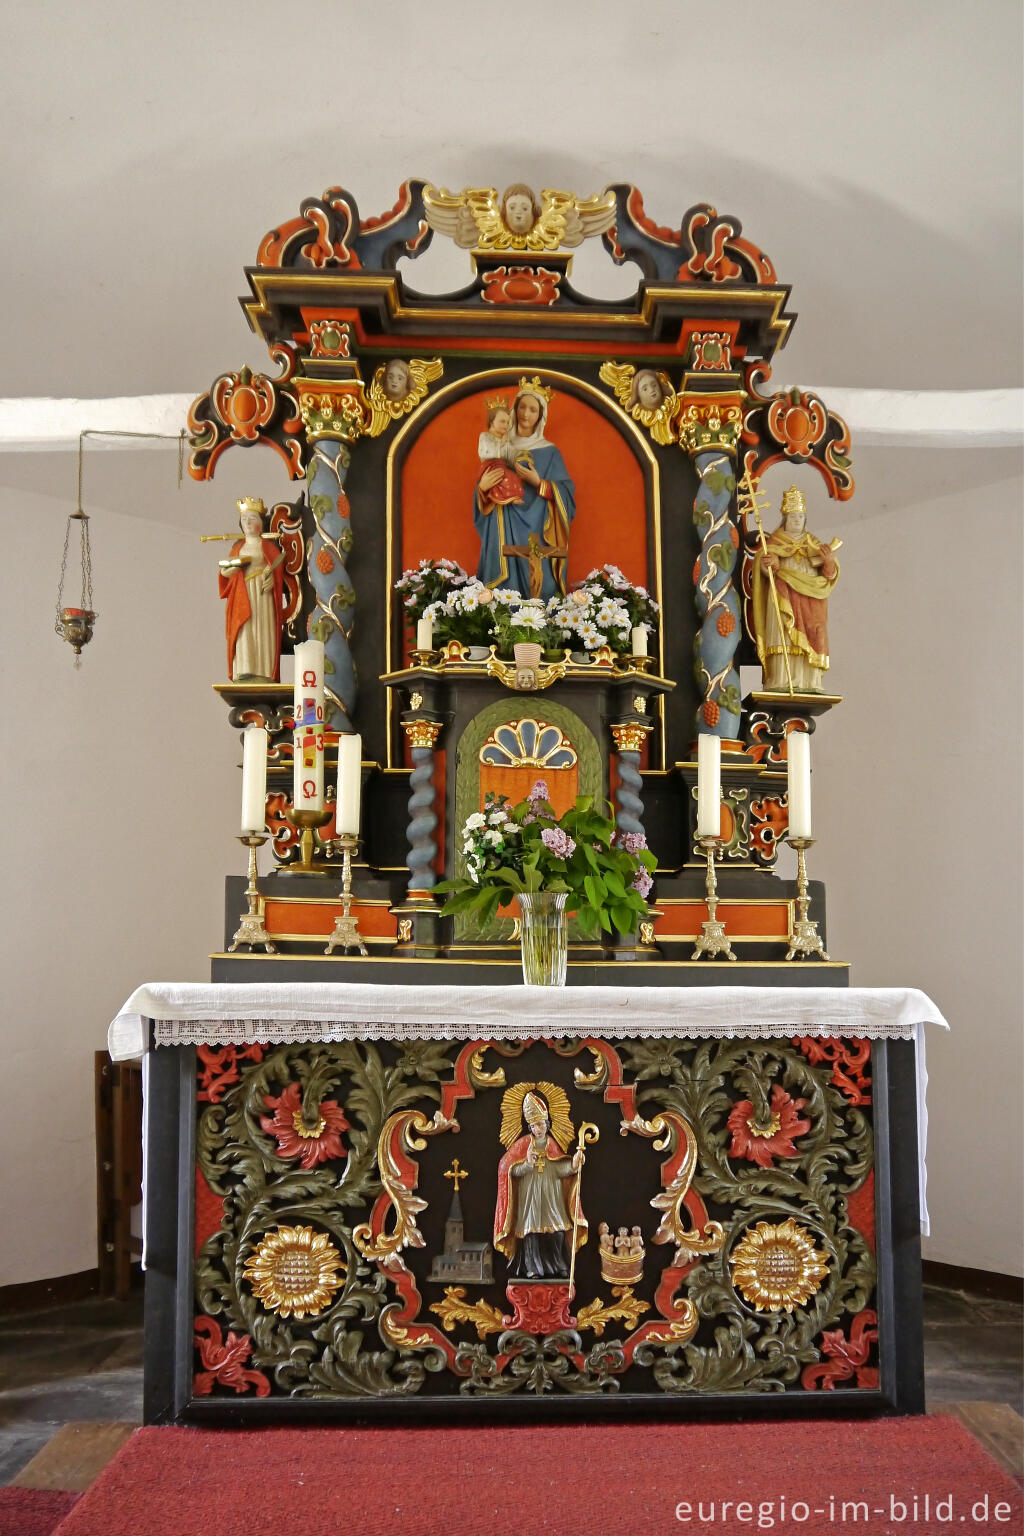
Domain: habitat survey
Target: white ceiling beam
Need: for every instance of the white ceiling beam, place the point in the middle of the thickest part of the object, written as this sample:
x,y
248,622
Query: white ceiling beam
x,y
890,418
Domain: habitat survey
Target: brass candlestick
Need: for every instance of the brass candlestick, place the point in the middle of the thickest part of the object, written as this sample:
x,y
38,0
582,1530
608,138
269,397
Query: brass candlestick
x,y
346,927
806,939
425,658
252,929
305,821
713,940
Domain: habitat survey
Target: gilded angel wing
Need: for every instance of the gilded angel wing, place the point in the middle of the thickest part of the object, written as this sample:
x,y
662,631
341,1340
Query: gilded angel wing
x,y
379,404
449,214
588,218
423,371
620,377
484,208
557,216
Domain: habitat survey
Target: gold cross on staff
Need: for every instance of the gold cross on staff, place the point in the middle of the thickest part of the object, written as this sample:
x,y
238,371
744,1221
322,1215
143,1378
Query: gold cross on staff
x,y
536,553
455,1173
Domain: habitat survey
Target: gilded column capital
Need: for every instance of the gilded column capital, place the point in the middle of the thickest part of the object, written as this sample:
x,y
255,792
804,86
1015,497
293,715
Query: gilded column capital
x,y
629,735
709,421
422,733
332,409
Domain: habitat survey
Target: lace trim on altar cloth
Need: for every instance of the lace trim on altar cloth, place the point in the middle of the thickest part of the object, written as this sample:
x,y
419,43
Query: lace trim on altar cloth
x,y
282,1032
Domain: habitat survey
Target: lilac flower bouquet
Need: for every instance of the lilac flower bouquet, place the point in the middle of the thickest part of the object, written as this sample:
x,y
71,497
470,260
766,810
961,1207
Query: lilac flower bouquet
x,y
517,850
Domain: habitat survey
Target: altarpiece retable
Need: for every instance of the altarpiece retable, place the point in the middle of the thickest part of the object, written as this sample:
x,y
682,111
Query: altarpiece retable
x,y
528,560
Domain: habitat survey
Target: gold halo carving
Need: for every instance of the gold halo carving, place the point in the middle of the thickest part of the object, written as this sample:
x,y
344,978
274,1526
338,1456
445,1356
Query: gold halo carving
x,y
554,1097
777,1268
294,1271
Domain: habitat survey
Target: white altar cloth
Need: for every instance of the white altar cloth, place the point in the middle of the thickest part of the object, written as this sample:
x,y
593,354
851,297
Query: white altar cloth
x,y
192,1013
196,1013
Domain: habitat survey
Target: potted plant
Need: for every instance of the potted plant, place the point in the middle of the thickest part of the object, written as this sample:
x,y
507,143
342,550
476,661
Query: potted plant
x,y
578,861
523,629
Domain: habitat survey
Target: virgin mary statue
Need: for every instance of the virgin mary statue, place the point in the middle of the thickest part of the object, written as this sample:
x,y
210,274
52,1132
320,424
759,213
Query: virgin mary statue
x,y
515,535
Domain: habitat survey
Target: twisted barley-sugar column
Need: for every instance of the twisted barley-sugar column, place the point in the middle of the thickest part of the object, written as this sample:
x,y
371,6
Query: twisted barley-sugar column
x,y
422,824
629,805
333,421
708,432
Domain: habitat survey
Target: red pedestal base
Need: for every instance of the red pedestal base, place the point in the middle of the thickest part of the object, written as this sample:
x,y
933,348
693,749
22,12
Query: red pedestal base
x,y
541,1306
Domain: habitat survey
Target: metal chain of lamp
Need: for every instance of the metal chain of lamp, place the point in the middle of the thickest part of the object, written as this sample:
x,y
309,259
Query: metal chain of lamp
x,y
75,625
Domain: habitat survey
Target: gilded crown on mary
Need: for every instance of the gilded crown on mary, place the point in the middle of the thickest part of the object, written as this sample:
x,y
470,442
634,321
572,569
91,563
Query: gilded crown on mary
x,y
535,387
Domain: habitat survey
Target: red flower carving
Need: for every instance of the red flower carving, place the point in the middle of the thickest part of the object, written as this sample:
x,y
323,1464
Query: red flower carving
x,y
218,1068
324,561
224,1361
312,1144
762,1145
847,1357
521,285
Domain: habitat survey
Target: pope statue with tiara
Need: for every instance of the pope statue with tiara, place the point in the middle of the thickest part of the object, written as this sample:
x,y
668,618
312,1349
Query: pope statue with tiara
x,y
514,533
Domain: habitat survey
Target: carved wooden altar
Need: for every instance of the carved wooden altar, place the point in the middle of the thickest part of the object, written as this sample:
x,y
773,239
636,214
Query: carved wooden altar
x,y
343,1225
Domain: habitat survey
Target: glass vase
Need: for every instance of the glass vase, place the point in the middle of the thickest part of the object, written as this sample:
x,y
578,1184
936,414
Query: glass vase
x,y
544,938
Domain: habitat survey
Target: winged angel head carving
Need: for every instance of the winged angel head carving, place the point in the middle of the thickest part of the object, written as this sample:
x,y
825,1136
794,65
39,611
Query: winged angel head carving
x,y
477,218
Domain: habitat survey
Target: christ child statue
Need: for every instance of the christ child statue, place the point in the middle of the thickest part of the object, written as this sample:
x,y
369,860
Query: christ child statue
x,y
495,453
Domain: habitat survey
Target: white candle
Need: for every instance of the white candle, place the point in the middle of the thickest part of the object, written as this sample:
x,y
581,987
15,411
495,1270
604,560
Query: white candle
x,y
308,769
424,635
308,687
350,780
308,740
254,779
709,785
798,754
639,640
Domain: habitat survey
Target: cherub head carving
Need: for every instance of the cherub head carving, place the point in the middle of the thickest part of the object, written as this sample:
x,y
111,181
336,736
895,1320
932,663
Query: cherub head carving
x,y
520,209
397,381
647,391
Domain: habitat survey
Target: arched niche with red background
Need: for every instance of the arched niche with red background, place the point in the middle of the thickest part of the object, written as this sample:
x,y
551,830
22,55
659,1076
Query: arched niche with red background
x,y
433,468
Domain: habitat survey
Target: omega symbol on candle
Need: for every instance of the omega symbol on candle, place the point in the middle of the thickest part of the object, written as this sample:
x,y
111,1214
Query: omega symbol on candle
x,y
308,789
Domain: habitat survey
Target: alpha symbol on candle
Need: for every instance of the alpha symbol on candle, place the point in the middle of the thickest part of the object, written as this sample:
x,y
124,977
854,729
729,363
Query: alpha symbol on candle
x,y
309,678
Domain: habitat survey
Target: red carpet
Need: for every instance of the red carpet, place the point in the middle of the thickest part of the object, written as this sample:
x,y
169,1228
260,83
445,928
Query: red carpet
x,y
576,1480
33,1511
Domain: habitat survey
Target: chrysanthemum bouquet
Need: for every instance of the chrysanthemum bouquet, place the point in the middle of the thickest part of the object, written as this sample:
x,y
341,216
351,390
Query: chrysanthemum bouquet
x,y
429,582
514,850
603,610
468,613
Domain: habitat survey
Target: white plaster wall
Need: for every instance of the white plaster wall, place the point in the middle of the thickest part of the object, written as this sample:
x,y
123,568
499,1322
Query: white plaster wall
x,y
118,787
918,806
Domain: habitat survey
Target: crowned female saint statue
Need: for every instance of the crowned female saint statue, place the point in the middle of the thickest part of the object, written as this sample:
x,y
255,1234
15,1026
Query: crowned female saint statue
x,y
251,580
794,573
547,505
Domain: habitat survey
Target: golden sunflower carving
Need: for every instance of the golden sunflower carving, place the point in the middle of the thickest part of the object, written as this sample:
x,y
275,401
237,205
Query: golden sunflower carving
x,y
294,1271
777,1268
